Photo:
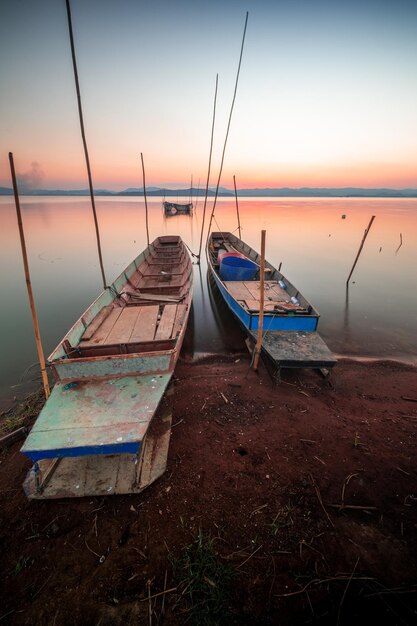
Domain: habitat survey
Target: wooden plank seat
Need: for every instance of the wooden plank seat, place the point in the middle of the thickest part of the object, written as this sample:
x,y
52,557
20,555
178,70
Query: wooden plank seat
x,y
276,299
158,283
250,290
124,325
167,268
134,329
161,260
162,273
253,306
134,298
166,323
166,254
89,350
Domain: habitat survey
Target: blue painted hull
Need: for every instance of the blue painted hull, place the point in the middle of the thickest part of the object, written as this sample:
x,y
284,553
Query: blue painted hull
x,y
250,321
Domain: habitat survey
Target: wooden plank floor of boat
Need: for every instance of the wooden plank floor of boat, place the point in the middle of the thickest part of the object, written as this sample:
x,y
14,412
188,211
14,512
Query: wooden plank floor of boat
x,y
244,291
135,324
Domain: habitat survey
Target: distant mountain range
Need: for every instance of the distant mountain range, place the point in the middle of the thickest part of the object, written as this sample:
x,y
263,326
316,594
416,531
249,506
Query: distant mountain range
x,y
267,192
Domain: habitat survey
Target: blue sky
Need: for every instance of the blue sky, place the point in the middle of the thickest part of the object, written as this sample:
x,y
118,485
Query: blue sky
x,y
327,94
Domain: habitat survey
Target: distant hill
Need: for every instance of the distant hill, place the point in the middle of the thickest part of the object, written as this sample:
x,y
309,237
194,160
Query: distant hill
x,y
339,192
263,192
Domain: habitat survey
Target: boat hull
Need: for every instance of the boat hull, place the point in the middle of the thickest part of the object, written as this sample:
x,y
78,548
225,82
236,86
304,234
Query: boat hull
x,y
112,369
290,337
250,321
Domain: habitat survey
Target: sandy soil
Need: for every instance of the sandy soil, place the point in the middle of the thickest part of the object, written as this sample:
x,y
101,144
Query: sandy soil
x,y
307,490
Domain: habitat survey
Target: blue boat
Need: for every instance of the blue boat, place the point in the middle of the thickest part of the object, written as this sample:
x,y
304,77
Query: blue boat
x,y
290,337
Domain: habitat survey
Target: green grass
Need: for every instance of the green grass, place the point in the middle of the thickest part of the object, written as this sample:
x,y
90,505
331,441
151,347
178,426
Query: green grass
x,y
22,413
204,583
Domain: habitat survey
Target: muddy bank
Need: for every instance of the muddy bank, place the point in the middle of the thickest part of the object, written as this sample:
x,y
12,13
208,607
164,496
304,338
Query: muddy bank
x,y
300,502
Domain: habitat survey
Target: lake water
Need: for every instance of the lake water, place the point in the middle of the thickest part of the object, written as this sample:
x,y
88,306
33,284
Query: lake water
x,y
375,318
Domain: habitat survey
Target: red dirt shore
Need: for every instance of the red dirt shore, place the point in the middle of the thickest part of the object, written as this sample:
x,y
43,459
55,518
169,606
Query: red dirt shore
x,y
260,470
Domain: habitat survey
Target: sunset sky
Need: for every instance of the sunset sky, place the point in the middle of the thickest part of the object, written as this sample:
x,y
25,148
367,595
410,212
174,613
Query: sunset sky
x,y
327,93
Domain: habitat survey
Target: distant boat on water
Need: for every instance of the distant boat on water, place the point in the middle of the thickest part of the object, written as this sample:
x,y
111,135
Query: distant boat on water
x,y
174,208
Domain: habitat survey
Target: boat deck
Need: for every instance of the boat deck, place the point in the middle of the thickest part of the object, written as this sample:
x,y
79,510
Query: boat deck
x,y
296,349
96,417
276,299
135,324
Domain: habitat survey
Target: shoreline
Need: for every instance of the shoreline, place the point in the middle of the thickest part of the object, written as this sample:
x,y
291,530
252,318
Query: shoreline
x,y
290,485
7,403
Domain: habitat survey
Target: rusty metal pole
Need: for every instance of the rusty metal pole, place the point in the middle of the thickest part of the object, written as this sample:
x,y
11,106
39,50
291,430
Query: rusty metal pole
x,y
261,303
28,282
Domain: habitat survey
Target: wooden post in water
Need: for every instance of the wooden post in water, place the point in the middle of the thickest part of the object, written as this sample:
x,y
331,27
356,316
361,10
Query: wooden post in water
x,y
261,303
144,195
87,159
237,208
28,282
360,247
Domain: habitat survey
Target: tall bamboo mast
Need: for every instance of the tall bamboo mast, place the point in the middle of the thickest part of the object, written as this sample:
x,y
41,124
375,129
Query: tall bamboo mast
x,y
209,168
87,159
144,195
28,282
237,208
228,124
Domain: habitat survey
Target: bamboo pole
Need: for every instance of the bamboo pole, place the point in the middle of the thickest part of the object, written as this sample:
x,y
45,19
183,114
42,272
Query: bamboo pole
x,y
87,159
209,168
144,195
196,198
360,247
228,125
237,208
28,282
261,303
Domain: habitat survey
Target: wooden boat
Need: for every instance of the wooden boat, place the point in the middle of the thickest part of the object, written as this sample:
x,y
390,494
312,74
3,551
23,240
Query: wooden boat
x,y
112,369
173,208
290,322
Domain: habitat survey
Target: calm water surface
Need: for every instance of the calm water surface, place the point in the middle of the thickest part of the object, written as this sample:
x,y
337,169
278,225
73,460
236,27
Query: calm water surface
x,y
375,318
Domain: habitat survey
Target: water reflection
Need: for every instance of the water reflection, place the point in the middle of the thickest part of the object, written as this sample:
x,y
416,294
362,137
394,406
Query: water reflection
x,y
346,326
376,317
229,332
